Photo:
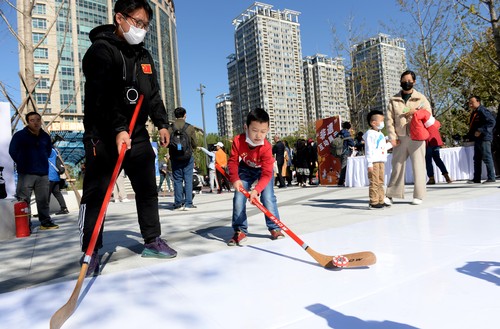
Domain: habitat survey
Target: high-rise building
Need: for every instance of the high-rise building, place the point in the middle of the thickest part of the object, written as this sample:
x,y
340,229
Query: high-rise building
x,y
58,57
325,88
224,111
377,65
266,68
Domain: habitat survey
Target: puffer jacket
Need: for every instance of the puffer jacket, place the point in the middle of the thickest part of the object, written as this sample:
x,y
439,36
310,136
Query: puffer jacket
x,y
395,119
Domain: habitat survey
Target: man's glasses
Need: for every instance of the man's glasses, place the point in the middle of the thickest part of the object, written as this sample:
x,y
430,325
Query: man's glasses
x,y
137,22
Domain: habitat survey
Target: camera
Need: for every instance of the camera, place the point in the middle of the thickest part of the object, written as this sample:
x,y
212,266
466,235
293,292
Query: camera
x,y
131,95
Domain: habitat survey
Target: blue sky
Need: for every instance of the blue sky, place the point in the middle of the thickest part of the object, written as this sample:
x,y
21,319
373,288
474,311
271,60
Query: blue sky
x,y
205,36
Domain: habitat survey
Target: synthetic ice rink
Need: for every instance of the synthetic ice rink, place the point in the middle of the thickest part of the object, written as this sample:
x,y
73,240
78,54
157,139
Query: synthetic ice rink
x,y
438,266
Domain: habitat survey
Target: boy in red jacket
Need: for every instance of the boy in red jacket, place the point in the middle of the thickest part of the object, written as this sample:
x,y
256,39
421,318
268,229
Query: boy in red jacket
x,y
252,160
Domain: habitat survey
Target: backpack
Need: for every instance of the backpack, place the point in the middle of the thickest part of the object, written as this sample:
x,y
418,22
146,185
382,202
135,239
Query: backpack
x,y
60,165
337,146
180,144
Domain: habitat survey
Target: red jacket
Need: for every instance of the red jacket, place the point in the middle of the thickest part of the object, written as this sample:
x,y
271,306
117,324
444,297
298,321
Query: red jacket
x,y
255,157
424,127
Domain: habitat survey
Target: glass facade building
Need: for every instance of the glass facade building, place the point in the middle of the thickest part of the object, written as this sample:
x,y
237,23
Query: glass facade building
x,y
58,58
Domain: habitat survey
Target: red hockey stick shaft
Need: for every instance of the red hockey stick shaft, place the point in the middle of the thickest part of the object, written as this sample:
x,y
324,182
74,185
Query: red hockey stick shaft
x,y
62,314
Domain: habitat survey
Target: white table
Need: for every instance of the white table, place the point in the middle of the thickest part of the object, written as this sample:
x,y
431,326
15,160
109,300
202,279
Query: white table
x,y
458,161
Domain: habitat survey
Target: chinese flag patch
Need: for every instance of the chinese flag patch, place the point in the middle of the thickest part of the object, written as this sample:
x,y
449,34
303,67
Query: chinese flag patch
x,y
146,69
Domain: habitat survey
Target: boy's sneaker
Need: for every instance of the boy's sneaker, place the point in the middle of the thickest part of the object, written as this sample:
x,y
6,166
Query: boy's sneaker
x,y
50,225
158,249
192,207
388,200
276,234
94,264
237,238
376,206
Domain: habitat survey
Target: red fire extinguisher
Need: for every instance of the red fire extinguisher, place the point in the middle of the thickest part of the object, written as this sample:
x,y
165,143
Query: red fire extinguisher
x,y
22,212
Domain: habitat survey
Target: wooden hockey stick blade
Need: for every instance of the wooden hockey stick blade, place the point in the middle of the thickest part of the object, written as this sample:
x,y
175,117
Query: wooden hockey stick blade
x,y
357,259
62,314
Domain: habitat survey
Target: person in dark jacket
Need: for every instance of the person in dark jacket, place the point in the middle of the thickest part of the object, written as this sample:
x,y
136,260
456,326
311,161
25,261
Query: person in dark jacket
x,y
312,158
279,155
346,151
302,161
481,126
117,70
30,149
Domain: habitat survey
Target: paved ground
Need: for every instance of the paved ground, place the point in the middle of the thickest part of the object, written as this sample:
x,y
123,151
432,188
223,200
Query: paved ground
x,y
51,257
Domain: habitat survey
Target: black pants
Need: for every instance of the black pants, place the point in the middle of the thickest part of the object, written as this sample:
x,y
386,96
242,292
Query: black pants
x,y
280,181
54,188
222,181
139,166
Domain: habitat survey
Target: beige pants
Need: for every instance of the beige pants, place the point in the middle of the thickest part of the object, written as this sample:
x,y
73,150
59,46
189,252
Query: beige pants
x,y
376,189
416,151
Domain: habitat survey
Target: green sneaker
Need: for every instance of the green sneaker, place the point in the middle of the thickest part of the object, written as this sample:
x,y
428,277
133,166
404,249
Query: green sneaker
x,y
158,249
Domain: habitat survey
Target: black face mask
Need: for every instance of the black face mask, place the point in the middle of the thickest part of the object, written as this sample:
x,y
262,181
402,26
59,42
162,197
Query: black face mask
x,y
406,85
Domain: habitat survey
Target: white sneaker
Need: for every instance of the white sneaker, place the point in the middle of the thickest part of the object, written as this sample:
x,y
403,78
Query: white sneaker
x,y
388,201
416,202
125,200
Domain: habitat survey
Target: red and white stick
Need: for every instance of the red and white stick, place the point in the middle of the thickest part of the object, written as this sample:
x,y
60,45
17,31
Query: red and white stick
x,y
62,314
357,259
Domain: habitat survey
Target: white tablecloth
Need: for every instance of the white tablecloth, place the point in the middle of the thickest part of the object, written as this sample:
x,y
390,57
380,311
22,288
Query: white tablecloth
x,y
458,161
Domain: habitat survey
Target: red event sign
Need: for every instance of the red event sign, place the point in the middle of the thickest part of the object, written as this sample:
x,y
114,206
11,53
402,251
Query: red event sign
x,y
328,165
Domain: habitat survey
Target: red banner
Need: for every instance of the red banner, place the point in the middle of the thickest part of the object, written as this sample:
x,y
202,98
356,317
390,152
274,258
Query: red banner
x,y
328,165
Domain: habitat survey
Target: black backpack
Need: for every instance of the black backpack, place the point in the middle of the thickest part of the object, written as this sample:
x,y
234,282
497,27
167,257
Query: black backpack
x,y
180,144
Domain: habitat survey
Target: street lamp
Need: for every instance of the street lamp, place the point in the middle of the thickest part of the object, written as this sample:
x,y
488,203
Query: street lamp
x,y
203,115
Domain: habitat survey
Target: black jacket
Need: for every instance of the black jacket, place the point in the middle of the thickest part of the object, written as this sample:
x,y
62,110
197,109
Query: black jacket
x,y
107,75
481,120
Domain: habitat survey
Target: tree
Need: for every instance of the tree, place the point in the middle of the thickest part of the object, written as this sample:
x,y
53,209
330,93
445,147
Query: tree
x,y
428,49
31,83
479,57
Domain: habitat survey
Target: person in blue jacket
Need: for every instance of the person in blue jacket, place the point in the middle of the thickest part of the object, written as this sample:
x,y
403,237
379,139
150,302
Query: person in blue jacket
x,y
30,149
55,181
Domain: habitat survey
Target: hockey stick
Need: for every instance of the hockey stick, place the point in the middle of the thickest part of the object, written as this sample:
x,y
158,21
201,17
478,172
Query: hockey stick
x,y
357,259
62,314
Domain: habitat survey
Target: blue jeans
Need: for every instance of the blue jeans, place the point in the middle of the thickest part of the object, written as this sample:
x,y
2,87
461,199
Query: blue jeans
x,y
182,172
248,176
432,153
482,152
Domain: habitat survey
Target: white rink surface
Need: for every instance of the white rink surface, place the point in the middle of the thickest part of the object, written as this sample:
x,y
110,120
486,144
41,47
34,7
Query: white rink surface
x,y
437,267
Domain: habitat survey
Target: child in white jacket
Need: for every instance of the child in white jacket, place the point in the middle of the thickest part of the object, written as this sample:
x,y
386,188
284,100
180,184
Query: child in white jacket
x,y
376,147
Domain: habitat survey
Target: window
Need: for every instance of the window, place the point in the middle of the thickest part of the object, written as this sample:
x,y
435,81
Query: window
x,y
43,83
65,70
41,98
41,68
40,9
42,53
37,37
39,23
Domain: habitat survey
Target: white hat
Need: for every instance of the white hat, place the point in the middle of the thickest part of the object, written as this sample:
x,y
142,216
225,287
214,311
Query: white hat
x,y
219,144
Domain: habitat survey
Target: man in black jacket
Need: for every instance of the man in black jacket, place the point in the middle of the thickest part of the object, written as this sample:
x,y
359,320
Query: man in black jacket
x,y
117,70
279,155
30,149
481,126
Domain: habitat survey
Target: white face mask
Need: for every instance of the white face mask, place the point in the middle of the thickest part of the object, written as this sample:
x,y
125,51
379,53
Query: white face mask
x,y
249,141
381,126
135,35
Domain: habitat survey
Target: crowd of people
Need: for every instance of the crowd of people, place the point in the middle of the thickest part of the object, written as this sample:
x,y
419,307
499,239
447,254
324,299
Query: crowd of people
x,y
253,164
